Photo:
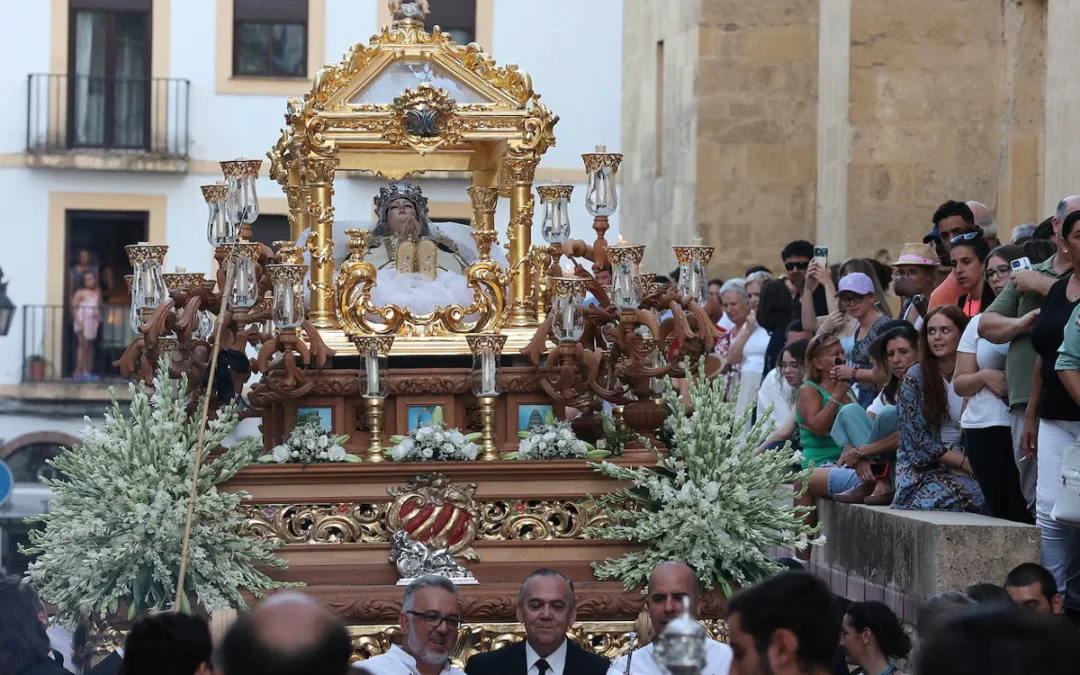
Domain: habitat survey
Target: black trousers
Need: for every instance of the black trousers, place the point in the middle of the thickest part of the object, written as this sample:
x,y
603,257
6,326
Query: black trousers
x,y
991,454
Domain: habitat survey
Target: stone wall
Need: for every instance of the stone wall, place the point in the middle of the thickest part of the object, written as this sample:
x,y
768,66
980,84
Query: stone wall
x,y
659,171
904,107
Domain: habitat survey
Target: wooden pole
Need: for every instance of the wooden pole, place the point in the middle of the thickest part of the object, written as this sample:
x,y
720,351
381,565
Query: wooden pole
x,y
185,549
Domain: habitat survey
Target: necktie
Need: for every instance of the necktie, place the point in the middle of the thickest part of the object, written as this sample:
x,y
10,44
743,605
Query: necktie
x,y
542,666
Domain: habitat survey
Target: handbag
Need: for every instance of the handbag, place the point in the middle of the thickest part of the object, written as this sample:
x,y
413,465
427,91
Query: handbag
x,y
1067,507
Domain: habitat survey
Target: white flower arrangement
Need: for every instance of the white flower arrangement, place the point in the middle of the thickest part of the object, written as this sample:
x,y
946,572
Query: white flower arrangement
x,y
113,535
711,503
553,440
434,443
309,443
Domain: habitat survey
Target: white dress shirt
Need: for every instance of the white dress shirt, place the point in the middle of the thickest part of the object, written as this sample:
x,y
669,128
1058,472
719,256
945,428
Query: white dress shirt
x,y
398,662
556,660
717,661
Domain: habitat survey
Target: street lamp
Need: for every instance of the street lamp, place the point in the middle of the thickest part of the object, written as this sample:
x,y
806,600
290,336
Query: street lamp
x,y
7,307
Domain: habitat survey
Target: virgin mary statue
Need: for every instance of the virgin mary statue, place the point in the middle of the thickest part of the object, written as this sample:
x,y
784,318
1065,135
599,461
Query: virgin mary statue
x,y
421,263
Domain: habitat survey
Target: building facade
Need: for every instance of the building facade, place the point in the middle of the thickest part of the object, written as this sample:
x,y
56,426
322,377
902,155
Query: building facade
x,y
845,123
121,109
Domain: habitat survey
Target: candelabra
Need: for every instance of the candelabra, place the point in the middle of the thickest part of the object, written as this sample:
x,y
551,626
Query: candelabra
x,y
374,353
601,196
486,350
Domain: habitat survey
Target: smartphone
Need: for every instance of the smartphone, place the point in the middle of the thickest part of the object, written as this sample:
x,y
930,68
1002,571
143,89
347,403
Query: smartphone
x,y
1021,264
821,255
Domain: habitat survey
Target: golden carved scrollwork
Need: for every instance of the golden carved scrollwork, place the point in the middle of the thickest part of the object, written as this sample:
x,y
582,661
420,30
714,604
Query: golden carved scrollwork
x,y
424,119
609,639
350,523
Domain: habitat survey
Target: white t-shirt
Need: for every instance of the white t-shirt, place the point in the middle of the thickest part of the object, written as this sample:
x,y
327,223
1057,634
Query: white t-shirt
x,y
877,404
718,658
725,323
984,409
396,661
950,430
754,351
774,391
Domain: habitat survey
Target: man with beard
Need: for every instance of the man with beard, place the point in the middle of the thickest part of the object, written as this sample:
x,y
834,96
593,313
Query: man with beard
x,y
785,625
669,583
429,623
547,608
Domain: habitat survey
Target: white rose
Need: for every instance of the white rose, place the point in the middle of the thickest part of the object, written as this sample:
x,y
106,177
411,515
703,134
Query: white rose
x,y
408,444
549,436
422,433
323,441
321,455
470,451
280,454
448,448
426,453
561,444
295,453
336,453
309,444
399,453
457,438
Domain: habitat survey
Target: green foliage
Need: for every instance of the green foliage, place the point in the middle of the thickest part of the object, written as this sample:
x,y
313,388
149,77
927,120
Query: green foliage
x,y
114,532
711,503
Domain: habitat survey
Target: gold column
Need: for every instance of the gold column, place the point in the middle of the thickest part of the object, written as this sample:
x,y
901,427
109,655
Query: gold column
x,y
319,175
484,201
296,193
518,173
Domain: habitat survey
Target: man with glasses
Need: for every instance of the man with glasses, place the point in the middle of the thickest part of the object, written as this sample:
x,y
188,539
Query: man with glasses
x,y
429,622
796,257
951,219
547,608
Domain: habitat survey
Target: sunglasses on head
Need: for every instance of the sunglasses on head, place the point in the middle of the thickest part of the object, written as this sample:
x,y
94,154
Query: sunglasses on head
x,y
792,266
966,236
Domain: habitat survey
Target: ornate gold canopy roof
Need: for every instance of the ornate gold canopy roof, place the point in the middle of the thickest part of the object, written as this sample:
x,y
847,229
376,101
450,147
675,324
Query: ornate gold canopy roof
x,y
412,101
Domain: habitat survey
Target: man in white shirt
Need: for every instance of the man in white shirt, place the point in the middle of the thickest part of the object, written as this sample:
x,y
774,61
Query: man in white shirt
x,y
547,608
429,623
669,583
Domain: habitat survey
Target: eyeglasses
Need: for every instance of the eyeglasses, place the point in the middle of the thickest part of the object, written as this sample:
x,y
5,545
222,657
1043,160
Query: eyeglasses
x,y
792,266
849,299
434,619
966,236
999,271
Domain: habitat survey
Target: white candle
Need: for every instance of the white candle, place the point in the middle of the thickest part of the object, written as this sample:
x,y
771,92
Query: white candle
x,y
487,379
371,362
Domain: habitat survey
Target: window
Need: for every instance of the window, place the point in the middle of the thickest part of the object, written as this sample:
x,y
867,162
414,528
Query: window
x,y
109,66
269,228
270,38
457,18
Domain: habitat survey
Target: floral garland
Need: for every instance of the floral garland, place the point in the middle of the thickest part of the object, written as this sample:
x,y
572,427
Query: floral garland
x,y
309,443
711,503
553,440
434,443
113,536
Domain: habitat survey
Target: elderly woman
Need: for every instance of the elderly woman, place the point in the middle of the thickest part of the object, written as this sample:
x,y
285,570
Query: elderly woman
x,y
744,346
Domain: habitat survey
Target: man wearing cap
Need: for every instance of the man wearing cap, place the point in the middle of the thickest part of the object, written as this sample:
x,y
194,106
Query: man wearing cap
x,y
916,277
1009,320
951,219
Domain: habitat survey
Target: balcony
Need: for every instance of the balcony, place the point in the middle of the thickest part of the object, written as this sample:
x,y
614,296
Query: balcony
x,y
53,368
107,123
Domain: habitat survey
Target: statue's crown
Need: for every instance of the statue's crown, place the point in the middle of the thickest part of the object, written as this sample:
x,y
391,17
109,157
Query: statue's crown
x,y
396,189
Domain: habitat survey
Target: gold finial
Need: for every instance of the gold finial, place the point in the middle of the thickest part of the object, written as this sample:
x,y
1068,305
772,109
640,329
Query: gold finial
x,y
409,9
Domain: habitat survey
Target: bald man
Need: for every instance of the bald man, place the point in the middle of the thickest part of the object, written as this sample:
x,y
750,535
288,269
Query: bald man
x,y
984,220
287,634
669,583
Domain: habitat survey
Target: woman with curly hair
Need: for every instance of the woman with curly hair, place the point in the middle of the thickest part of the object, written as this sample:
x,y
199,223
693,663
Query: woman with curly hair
x,y
872,637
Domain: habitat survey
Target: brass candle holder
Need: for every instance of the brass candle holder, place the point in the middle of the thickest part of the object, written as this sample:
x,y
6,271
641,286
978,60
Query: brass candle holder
x,y
486,349
374,352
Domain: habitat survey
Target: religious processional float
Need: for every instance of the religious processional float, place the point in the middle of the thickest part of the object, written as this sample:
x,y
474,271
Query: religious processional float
x,y
401,436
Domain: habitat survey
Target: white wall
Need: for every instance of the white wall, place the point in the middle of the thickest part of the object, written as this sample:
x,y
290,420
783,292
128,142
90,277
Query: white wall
x,y
572,50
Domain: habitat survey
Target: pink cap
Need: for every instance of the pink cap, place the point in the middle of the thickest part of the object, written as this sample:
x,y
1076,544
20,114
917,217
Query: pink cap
x,y
857,283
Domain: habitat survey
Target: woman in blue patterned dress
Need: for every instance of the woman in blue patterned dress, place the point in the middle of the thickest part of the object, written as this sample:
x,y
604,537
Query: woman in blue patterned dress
x,y
932,473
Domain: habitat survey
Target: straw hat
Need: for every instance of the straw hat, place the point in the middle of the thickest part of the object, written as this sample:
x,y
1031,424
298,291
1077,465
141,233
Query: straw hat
x,y
918,254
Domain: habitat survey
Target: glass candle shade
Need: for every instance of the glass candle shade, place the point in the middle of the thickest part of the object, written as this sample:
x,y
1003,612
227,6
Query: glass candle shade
x,y
288,294
374,351
220,230
486,350
555,223
148,286
245,289
601,197
625,261
242,202
693,261
568,308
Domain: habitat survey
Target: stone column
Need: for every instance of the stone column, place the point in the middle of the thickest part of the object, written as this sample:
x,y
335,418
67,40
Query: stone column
x,y
1061,162
519,171
319,175
833,131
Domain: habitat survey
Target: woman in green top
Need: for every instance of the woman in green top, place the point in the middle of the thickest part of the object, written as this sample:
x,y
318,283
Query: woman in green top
x,y
820,399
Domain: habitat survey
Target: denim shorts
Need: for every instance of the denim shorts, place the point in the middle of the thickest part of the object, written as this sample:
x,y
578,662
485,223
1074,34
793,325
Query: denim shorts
x,y
842,479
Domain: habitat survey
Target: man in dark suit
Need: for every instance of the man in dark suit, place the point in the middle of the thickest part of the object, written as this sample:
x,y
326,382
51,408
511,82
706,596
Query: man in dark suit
x,y
547,608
